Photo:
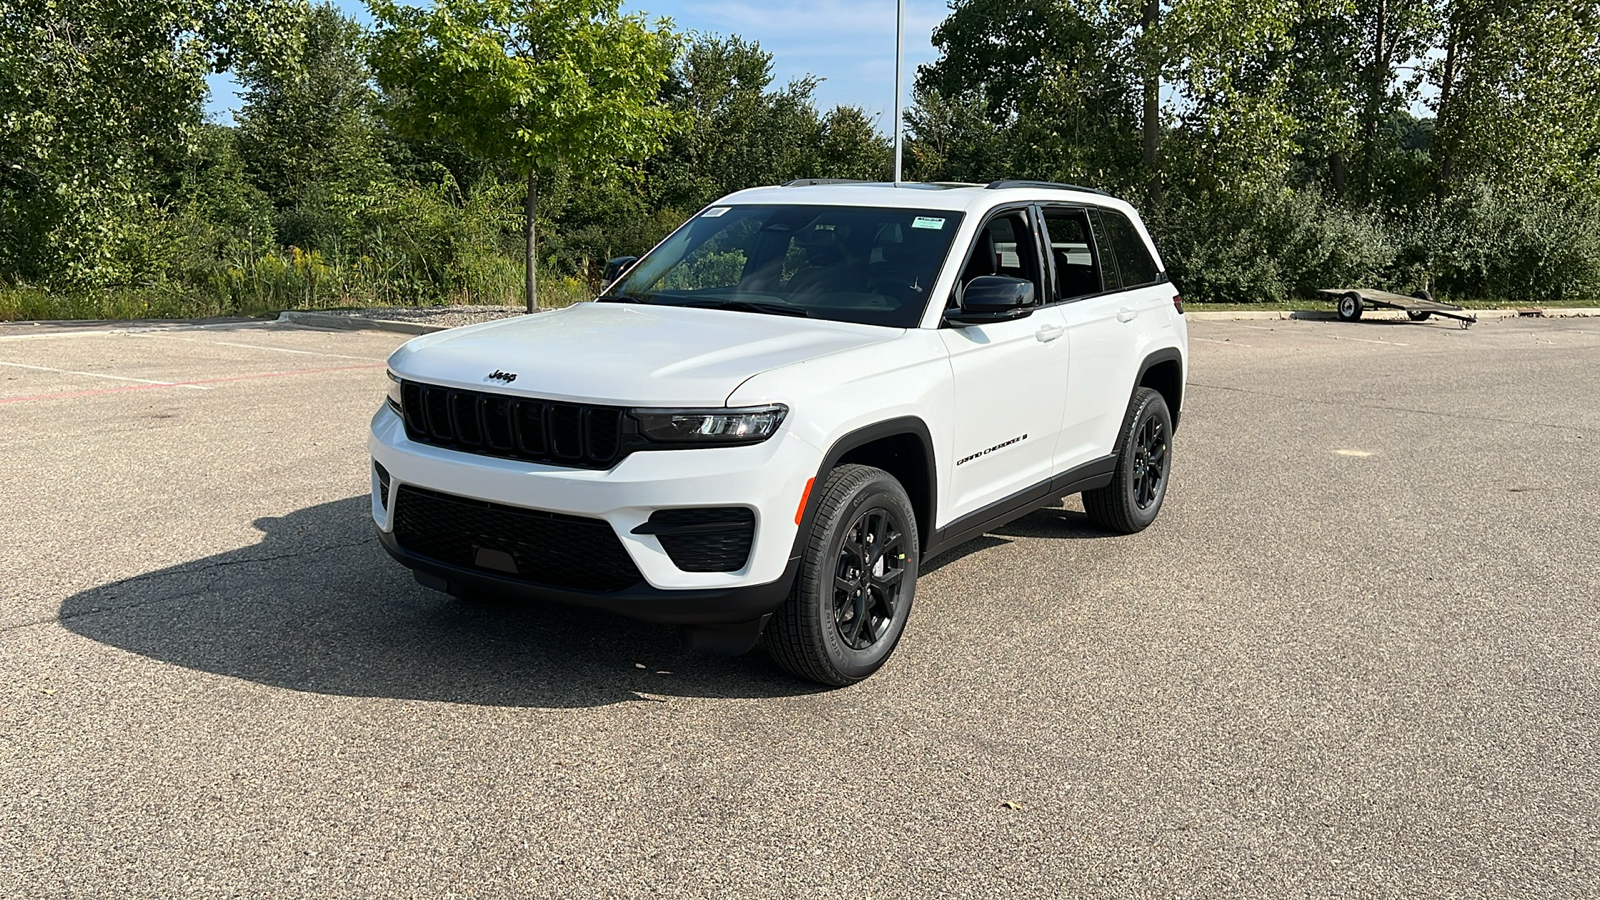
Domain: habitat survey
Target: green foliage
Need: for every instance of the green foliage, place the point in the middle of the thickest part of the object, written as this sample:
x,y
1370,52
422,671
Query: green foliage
x,y
391,167
98,98
531,82
308,135
1487,242
740,133
1273,246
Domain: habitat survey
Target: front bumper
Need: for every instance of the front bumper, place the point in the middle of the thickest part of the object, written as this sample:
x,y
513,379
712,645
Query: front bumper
x,y
767,478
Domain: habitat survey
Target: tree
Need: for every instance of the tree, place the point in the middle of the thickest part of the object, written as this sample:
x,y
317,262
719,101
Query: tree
x,y
532,83
99,99
1518,93
307,133
742,132
849,147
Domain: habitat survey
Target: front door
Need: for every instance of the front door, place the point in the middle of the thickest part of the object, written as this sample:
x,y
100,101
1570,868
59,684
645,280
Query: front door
x,y
1010,378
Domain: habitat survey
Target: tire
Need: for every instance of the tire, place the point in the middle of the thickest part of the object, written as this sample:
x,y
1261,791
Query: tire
x,y
1418,315
1133,498
1350,307
864,534
1424,295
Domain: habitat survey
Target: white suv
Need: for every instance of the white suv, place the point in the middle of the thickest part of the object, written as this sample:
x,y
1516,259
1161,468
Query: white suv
x,y
767,423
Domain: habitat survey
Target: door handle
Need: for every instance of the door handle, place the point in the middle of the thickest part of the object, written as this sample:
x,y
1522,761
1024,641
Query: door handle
x,y
1127,315
1048,333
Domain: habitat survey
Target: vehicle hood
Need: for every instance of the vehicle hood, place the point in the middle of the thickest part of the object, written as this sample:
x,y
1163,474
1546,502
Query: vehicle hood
x,y
626,354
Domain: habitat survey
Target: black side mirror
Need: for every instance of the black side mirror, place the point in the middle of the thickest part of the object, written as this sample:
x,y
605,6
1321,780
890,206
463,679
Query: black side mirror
x,y
993,298
614,268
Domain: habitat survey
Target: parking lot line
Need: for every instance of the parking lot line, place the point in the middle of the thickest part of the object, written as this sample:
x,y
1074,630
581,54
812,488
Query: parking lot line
x,y
147,381
1331,337
200,383
103,331
158,335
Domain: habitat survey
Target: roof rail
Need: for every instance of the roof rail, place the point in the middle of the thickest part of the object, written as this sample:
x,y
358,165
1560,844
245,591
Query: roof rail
x,y
1016,183
811,182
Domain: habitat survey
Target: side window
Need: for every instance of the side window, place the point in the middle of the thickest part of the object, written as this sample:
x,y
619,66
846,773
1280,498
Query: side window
x,y
1006,247
1133,258
1108,260
1077,274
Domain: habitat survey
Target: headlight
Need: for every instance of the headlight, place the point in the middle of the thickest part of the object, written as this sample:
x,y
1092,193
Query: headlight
x,y
750,425
394,392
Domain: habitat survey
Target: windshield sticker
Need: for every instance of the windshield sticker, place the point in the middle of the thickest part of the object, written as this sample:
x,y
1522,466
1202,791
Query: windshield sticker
x,y
927,222
713,212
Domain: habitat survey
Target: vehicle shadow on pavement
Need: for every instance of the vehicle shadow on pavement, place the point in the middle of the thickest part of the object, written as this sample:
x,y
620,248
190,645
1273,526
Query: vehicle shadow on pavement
x,y
318,606
1056,523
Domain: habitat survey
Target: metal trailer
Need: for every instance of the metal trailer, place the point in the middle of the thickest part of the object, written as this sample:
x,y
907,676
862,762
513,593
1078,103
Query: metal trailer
x,y
1418,308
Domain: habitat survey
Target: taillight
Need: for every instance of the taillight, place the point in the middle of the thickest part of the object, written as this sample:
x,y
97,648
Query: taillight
x,y
1177,303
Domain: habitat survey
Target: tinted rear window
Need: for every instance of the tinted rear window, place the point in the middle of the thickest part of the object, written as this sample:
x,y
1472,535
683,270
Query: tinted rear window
x,y
1133,258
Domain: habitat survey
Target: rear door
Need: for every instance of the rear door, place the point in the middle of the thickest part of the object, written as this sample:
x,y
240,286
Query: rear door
x,y
1008,376
1102,318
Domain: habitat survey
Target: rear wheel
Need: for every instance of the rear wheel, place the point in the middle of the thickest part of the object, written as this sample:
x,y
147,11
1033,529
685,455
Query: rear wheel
x,y
1130,502
1418,315
849,603
1350,307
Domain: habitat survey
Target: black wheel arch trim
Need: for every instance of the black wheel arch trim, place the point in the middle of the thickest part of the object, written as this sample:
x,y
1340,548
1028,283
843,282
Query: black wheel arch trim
x,y
903,425
1157,357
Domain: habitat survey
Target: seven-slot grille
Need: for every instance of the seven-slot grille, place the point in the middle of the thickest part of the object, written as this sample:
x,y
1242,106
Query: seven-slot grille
x,y
538,547
548,431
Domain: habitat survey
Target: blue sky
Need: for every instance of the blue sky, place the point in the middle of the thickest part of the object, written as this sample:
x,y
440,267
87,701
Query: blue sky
x,y
847,43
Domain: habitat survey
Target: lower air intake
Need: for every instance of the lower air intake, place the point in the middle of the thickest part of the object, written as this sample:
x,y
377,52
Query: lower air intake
x,y
543,548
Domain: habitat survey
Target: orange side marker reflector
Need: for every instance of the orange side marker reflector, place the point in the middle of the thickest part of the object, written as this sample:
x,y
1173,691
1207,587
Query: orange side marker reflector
x,y
804,496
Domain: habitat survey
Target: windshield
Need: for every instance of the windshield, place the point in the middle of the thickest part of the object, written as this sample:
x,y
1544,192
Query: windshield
x,y
869,265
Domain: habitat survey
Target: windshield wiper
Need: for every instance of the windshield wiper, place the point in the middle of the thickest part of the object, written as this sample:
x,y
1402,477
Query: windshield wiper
x,y
619,298
756,306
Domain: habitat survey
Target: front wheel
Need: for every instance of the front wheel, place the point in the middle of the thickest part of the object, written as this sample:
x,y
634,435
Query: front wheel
x,y
1130,502
850,601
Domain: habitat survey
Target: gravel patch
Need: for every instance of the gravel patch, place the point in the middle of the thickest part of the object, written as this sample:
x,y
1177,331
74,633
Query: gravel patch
x,y
443,316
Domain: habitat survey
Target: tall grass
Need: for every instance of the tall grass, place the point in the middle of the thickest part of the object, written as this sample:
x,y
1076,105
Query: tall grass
x,y
400,245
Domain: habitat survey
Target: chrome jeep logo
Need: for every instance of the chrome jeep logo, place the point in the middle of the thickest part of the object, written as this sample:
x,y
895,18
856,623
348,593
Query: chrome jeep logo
x,y
498,375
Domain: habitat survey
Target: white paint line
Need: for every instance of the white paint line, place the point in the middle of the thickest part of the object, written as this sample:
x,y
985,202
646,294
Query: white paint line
x,y
103,332
261,347
1357,453
306,352
1228,343
1331,337
103,375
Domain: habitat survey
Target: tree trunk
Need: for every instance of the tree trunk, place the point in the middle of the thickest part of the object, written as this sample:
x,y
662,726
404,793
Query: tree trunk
x,y
1150,18
1444,120
1377,78
533,202
1336,171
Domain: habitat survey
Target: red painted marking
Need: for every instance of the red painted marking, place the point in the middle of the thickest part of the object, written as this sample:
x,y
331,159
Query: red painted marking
x,y
151,387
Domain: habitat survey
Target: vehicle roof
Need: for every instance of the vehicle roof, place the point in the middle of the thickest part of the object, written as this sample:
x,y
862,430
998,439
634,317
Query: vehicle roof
x,y
917,195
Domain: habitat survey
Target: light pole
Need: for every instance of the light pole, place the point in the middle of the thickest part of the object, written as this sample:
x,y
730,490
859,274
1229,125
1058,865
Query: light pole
x,y
899,62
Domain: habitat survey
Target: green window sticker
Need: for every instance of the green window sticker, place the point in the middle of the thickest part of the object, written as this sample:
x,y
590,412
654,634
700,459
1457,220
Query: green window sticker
x,y
927,222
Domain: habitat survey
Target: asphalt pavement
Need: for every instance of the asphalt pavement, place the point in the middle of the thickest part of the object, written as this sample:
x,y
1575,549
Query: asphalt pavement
x,y
1357,655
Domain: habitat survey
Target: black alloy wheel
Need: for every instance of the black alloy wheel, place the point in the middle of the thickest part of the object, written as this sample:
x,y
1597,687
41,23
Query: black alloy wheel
x,y
850,600
867,579
1149,462
1144,465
